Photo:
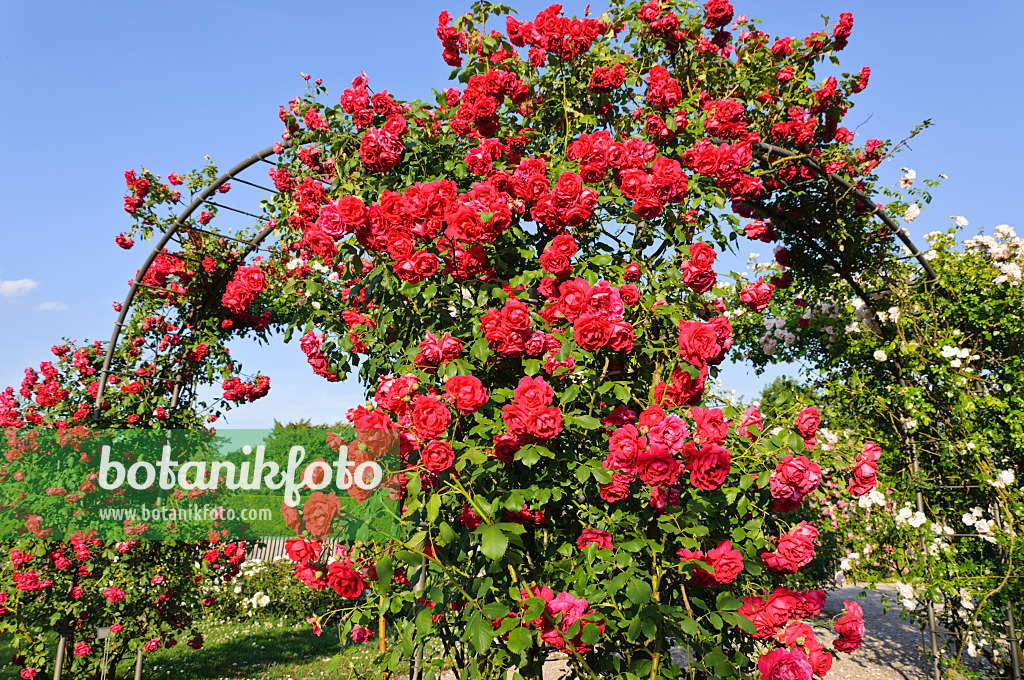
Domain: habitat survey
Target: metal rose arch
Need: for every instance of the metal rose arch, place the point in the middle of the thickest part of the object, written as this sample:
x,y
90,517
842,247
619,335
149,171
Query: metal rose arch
x,y
181,226
208,305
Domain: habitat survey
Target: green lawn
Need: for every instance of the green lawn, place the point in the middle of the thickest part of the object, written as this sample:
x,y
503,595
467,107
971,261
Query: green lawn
x,y
251,650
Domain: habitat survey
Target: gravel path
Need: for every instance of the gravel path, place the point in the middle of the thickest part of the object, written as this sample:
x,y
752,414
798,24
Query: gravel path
x,y
892,647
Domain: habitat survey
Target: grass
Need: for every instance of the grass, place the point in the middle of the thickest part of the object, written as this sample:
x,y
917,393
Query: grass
x,y
251,650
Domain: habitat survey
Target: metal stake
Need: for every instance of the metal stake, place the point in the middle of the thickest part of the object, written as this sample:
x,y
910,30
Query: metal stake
x,y
59,663
138,665
417,662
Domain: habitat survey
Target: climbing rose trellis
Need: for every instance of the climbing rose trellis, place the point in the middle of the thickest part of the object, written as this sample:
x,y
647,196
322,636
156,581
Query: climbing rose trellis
x,y
523,271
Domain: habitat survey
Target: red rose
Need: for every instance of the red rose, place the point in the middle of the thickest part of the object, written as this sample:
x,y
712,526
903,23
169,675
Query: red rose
x,y
437,456
708,466
319,511
719,13
657,467
781,664
515,315
698,342
505,447
564,244
711,425
546,423
726,561
517,420
629,293
592,332
625,446
573,296
602,539
794,478
617,489
807,422
699,280
702,256
345,580
466,393
351,210
533,394
758,295
401,246
821,662
430,417
795,550
303,551
651,416
555,263
850,628
292,520
622,336
425,264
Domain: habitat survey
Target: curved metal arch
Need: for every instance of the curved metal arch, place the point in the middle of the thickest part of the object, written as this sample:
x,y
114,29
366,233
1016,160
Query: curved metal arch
x,y
767,150
178,224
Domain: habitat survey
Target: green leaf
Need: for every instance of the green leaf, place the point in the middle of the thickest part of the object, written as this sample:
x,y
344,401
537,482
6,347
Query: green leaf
x,y
534,608
433,507
493,542
528,455
591,634
728,602
588,422
639,592
519,640
689,626
495,610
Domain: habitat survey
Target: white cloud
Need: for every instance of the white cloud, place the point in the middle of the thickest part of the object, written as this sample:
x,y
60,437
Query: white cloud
x,y
13,289
52,307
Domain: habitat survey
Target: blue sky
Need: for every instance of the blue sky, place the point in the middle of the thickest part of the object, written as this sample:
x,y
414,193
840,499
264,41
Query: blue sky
x,y
92,89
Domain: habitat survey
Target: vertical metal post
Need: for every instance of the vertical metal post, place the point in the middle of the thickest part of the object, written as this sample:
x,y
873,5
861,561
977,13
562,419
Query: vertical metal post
x,y
138,665
1011,625
933,637
62,644
417,661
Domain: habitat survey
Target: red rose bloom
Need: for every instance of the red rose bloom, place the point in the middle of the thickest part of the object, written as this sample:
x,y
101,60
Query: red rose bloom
x,y
850,628
466,393
807,422
546,423
617,489
517,420
758,295
719,13
437,456
698,342
625,445
533,394
592,332
726,561
657,467
319,511
781,664
430,417
345,580
711,426
708,466
602,539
